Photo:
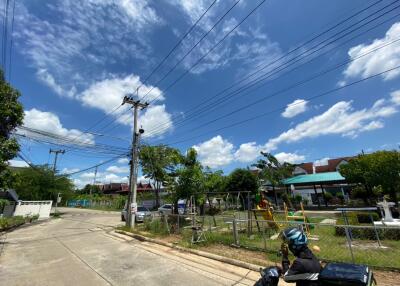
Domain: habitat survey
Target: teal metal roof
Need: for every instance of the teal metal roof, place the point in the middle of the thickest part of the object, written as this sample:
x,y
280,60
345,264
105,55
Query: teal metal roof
x,y
328,177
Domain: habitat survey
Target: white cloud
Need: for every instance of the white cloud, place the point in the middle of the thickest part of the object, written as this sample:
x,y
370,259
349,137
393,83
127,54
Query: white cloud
x,y
247,152
47,121
49,80
123,161
296,107
383,59
248,45
110,92
215,152
289,157
18,163
101,177
155,121
321,162
395,97
117,169
341,119
69,170
80,34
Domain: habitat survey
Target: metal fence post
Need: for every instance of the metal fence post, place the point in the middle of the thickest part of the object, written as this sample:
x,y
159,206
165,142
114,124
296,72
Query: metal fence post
x,y
235,233
263,235
376,231
178,224
349,242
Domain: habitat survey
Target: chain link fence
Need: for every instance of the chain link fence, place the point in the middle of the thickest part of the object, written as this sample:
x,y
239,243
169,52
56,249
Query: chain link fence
x,y
375,246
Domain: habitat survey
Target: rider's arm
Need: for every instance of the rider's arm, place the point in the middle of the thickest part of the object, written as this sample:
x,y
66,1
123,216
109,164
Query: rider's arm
x,y
297,272
285,264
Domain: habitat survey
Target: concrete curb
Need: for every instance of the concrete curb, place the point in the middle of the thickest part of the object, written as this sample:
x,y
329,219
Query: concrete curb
x,y
219,258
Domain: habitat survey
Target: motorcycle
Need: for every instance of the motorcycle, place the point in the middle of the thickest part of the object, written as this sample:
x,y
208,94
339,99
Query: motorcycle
x,y
343,274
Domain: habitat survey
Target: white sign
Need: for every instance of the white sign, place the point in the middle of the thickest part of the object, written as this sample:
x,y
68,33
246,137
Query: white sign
x,y
133,207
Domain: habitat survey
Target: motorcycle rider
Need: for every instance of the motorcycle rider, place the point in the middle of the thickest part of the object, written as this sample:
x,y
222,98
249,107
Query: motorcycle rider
x,y
306,267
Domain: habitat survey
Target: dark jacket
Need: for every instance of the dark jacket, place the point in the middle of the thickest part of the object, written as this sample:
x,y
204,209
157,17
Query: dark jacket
x,y
304,270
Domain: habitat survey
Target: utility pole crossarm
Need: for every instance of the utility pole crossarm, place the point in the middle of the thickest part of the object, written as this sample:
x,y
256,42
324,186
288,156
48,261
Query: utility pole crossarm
x,y
56,152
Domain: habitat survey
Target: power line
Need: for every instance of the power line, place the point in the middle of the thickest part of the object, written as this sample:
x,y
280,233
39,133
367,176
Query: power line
x,y
95,166
212,105
191,49
259,79
11,42
284,107
285,89
176,45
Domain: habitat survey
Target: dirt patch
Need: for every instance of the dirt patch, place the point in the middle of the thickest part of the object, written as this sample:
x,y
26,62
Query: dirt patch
x,y
254,257
387,278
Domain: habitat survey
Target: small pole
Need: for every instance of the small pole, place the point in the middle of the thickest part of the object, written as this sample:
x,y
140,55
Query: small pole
x,y
349,243
376,231
235,233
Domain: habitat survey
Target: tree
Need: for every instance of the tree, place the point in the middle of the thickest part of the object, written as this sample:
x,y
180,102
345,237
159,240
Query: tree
x,y
89,189
214,181
41,183
273,171
242,180
158,163
11,116
378,172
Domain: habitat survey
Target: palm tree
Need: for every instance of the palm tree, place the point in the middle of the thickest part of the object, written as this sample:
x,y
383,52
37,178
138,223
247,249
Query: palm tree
x,y
273,171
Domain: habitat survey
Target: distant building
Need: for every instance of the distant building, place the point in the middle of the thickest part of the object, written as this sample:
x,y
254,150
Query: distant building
x,y
333,165
123,188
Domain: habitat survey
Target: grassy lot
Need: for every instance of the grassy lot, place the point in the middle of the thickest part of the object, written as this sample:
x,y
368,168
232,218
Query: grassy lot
x,y
333,247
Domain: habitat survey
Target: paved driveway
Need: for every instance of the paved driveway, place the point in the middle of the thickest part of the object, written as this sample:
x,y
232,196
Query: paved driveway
x,y
80,249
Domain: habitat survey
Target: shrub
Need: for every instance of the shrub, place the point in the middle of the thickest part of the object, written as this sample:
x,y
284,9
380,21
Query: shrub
x,y
328,196
298,198
8,222
360,218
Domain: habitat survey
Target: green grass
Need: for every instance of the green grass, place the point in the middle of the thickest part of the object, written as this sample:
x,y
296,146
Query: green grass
x,y
333,247
8,222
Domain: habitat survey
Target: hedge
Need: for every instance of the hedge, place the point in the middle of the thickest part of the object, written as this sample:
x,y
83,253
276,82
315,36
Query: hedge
x,y
363,218
10,222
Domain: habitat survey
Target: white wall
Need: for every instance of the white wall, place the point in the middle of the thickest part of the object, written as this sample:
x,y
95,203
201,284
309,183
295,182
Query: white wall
x,y
41,208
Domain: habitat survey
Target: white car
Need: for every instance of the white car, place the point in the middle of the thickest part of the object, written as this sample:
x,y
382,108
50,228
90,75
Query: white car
x,y
142,214
165,209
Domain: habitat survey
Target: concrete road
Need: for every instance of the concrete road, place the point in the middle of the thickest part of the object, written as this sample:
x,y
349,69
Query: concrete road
x,y
81,249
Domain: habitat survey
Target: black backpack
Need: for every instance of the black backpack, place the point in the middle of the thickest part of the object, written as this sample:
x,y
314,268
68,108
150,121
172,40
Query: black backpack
x,y
345,274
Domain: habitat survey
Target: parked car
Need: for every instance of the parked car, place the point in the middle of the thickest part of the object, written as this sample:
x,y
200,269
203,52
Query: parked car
x,y
165,209
141,214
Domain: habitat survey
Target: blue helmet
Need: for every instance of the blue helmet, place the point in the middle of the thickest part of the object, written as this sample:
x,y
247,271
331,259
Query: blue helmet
x,y
295,238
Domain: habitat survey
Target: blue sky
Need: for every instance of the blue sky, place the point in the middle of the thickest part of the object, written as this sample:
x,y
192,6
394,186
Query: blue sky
x,y
74,61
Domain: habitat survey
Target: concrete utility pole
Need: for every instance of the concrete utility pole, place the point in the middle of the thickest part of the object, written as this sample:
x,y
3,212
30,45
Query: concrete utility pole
x,y
132,205
55,158
94,179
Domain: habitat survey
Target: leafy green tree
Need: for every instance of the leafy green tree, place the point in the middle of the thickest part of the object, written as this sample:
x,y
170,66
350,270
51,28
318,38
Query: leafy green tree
x,y
273,171
190,177
242,180
158,164
214,181
11,116
379,173
40,183
89,189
